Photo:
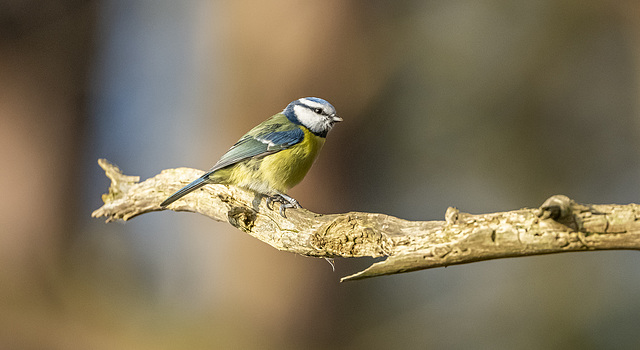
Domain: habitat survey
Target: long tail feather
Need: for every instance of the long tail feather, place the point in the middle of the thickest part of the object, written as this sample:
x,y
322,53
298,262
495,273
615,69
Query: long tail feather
x,y
185,190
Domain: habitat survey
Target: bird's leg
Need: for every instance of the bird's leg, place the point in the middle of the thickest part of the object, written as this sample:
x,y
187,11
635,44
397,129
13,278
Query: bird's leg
x,y
285,201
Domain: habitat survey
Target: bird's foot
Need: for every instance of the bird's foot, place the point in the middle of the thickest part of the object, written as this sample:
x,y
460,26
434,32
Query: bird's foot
x,y
285,201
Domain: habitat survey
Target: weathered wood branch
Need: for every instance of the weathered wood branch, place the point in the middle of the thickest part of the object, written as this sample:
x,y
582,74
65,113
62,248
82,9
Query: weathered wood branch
x,y
559,225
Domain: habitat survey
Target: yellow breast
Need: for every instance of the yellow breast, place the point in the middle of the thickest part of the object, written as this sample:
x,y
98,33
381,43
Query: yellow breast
x,y
287,168
274,173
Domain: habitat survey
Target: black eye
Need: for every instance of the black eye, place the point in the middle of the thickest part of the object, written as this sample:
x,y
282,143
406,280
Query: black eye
x,y
317,110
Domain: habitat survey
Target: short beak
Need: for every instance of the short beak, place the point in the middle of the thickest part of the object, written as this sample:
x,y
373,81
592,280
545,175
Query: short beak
x,y
335,118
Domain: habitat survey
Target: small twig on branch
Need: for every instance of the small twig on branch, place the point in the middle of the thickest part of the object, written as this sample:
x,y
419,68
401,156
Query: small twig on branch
x,y
559,225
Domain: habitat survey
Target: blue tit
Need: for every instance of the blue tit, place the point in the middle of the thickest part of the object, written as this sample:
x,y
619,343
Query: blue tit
x,y
275,155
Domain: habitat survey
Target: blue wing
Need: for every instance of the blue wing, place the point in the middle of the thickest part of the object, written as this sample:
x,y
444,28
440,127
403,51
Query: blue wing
x,y
249,146
273,135
256,146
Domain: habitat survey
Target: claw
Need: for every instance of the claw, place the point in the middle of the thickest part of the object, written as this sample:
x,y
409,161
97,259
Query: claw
x,y
270,201
285,201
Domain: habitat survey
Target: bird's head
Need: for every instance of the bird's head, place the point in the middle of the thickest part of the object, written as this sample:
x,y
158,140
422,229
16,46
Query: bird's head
x,y
313,113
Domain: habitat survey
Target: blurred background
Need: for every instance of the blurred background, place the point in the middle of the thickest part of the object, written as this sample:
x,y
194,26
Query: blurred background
x,y
482,105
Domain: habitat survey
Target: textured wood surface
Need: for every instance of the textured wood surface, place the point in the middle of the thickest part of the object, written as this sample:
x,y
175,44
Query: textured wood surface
x,y
559,225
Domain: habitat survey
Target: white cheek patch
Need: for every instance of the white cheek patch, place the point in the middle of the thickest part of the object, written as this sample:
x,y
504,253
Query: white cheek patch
x,y
310,120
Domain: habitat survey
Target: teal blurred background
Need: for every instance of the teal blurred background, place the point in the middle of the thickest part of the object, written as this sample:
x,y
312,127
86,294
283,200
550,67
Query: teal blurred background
x,y
482,105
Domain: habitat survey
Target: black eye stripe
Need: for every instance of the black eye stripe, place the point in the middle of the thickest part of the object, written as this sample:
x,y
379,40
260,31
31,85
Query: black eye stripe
x,y
314,109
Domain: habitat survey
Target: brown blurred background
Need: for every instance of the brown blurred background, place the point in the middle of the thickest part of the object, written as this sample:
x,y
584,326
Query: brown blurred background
x,y
483,105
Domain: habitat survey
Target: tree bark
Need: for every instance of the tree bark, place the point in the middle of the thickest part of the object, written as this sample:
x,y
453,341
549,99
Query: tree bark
x,y
559,225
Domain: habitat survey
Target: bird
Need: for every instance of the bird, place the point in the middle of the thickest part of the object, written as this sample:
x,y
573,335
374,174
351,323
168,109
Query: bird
x,y
275,155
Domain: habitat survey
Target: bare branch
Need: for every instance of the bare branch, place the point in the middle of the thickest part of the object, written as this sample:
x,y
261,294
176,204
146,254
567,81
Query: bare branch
x,y
559,225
